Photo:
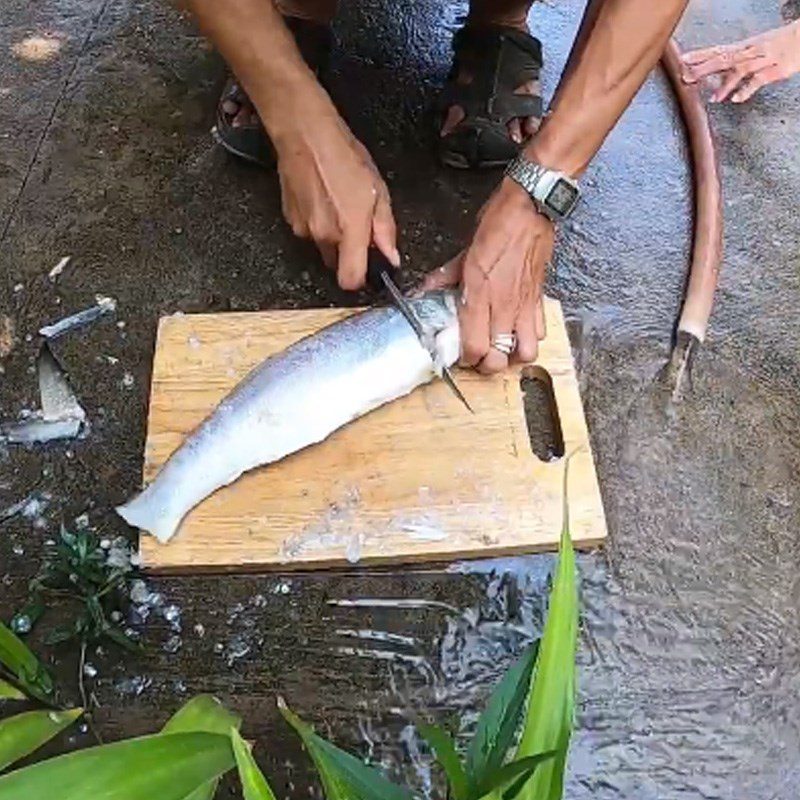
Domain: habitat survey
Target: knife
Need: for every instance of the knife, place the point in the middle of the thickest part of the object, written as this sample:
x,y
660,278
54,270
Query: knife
x,y
379,276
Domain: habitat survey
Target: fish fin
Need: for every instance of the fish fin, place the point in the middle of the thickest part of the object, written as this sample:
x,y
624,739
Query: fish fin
x,y
141,513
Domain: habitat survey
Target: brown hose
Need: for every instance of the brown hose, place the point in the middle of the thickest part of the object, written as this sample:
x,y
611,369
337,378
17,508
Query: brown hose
x,y
707,254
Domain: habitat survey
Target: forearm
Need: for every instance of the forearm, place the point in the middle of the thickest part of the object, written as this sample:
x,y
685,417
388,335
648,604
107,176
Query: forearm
x,y
620,41
258,46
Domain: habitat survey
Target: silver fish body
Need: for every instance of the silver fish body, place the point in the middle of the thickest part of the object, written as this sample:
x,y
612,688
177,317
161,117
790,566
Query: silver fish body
x,y
297,398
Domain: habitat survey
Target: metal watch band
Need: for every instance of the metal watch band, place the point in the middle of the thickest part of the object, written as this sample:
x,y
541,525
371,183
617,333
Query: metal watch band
x,y
546,187
527,174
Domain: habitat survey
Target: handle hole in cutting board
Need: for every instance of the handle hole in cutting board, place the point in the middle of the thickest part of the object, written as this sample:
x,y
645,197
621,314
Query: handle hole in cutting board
x,y
541,414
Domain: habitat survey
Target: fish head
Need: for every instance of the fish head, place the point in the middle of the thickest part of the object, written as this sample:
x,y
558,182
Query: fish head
x,y
438,313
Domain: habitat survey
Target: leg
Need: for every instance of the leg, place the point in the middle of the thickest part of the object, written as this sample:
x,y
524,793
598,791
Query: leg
x,y
513,13
496,78
238,126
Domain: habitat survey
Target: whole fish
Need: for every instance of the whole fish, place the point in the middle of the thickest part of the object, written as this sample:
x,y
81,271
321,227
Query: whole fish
x,y
296,398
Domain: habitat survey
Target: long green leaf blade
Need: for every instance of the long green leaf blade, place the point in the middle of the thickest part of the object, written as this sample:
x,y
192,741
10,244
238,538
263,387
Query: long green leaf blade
x,y
9,692
24,666
203,714
444,748
518,771
499,723
551,710
344,777
163,767
25,733
254,784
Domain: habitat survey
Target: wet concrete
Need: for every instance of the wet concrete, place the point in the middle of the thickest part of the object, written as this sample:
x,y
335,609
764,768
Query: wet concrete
x,y
690,665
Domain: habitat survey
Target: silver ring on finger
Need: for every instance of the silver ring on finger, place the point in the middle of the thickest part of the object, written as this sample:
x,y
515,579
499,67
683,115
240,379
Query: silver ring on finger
x,y
505,343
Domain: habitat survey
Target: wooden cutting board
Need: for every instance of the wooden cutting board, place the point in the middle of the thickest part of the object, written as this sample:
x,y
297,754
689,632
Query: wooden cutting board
x,y
418,479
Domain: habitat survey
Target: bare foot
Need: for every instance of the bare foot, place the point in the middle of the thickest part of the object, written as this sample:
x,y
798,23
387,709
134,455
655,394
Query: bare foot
x,y
240,111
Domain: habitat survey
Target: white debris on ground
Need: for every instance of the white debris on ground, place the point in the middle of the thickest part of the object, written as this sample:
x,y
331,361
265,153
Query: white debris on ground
x,y
31,507
59,268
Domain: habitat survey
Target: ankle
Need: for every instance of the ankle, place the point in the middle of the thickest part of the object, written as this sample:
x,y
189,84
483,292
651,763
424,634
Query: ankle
x,y
487,14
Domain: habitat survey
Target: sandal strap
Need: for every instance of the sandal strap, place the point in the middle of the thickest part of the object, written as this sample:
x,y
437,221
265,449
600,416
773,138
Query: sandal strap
x,y
499,59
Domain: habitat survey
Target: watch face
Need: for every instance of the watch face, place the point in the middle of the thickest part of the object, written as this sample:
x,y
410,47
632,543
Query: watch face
x,y
562,198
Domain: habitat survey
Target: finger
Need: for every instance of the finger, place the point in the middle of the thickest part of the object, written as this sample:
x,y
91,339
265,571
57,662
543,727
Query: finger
x,y
474,315
515,131
541,320
525,325
759,80
352,266
701,54
502,319
295,220
542,257
530,126
721,59
328,253
447,275
384,229
729,85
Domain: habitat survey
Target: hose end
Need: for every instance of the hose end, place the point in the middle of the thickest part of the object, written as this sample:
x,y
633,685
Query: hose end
x,y
679,369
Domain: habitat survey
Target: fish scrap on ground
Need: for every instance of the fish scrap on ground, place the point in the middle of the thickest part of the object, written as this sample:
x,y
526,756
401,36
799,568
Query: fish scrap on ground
x,y
103,306
297,398
61,416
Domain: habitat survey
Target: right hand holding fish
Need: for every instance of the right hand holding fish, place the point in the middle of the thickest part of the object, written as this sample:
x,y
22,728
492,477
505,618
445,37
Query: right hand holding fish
x,y
333,194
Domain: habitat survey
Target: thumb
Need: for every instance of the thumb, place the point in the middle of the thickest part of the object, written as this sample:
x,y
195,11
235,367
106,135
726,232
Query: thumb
x,y
447,275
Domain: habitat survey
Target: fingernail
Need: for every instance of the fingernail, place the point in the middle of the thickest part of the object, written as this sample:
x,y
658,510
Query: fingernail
x,y
395,258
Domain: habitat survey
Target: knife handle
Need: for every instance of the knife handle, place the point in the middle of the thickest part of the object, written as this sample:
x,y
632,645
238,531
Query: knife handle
x,y
377,266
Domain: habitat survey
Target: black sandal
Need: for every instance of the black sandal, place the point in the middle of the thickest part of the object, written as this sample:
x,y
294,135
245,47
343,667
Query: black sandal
x,y
500,60
251,142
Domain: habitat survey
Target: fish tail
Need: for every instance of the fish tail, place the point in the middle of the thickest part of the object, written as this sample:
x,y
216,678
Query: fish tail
x,y
144,512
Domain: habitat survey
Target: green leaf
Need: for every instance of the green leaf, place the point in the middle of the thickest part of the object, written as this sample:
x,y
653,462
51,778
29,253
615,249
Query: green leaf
x,y
344,777
24,666
203,714
163,767
551,710
443,746
499,723
518,771
9,692
118,636
254,784
23,734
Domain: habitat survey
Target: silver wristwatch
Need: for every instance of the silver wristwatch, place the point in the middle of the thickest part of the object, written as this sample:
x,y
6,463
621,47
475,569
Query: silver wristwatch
x,y
554,193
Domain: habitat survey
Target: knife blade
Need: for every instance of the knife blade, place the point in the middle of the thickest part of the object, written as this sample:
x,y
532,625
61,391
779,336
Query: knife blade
x,y
379,277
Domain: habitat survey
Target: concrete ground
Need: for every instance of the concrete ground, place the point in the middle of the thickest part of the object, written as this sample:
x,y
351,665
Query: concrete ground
x,y
690,657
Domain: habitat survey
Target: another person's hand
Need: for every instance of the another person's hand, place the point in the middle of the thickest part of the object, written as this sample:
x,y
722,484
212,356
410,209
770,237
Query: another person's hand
x,y
333,194
501,275
744,67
